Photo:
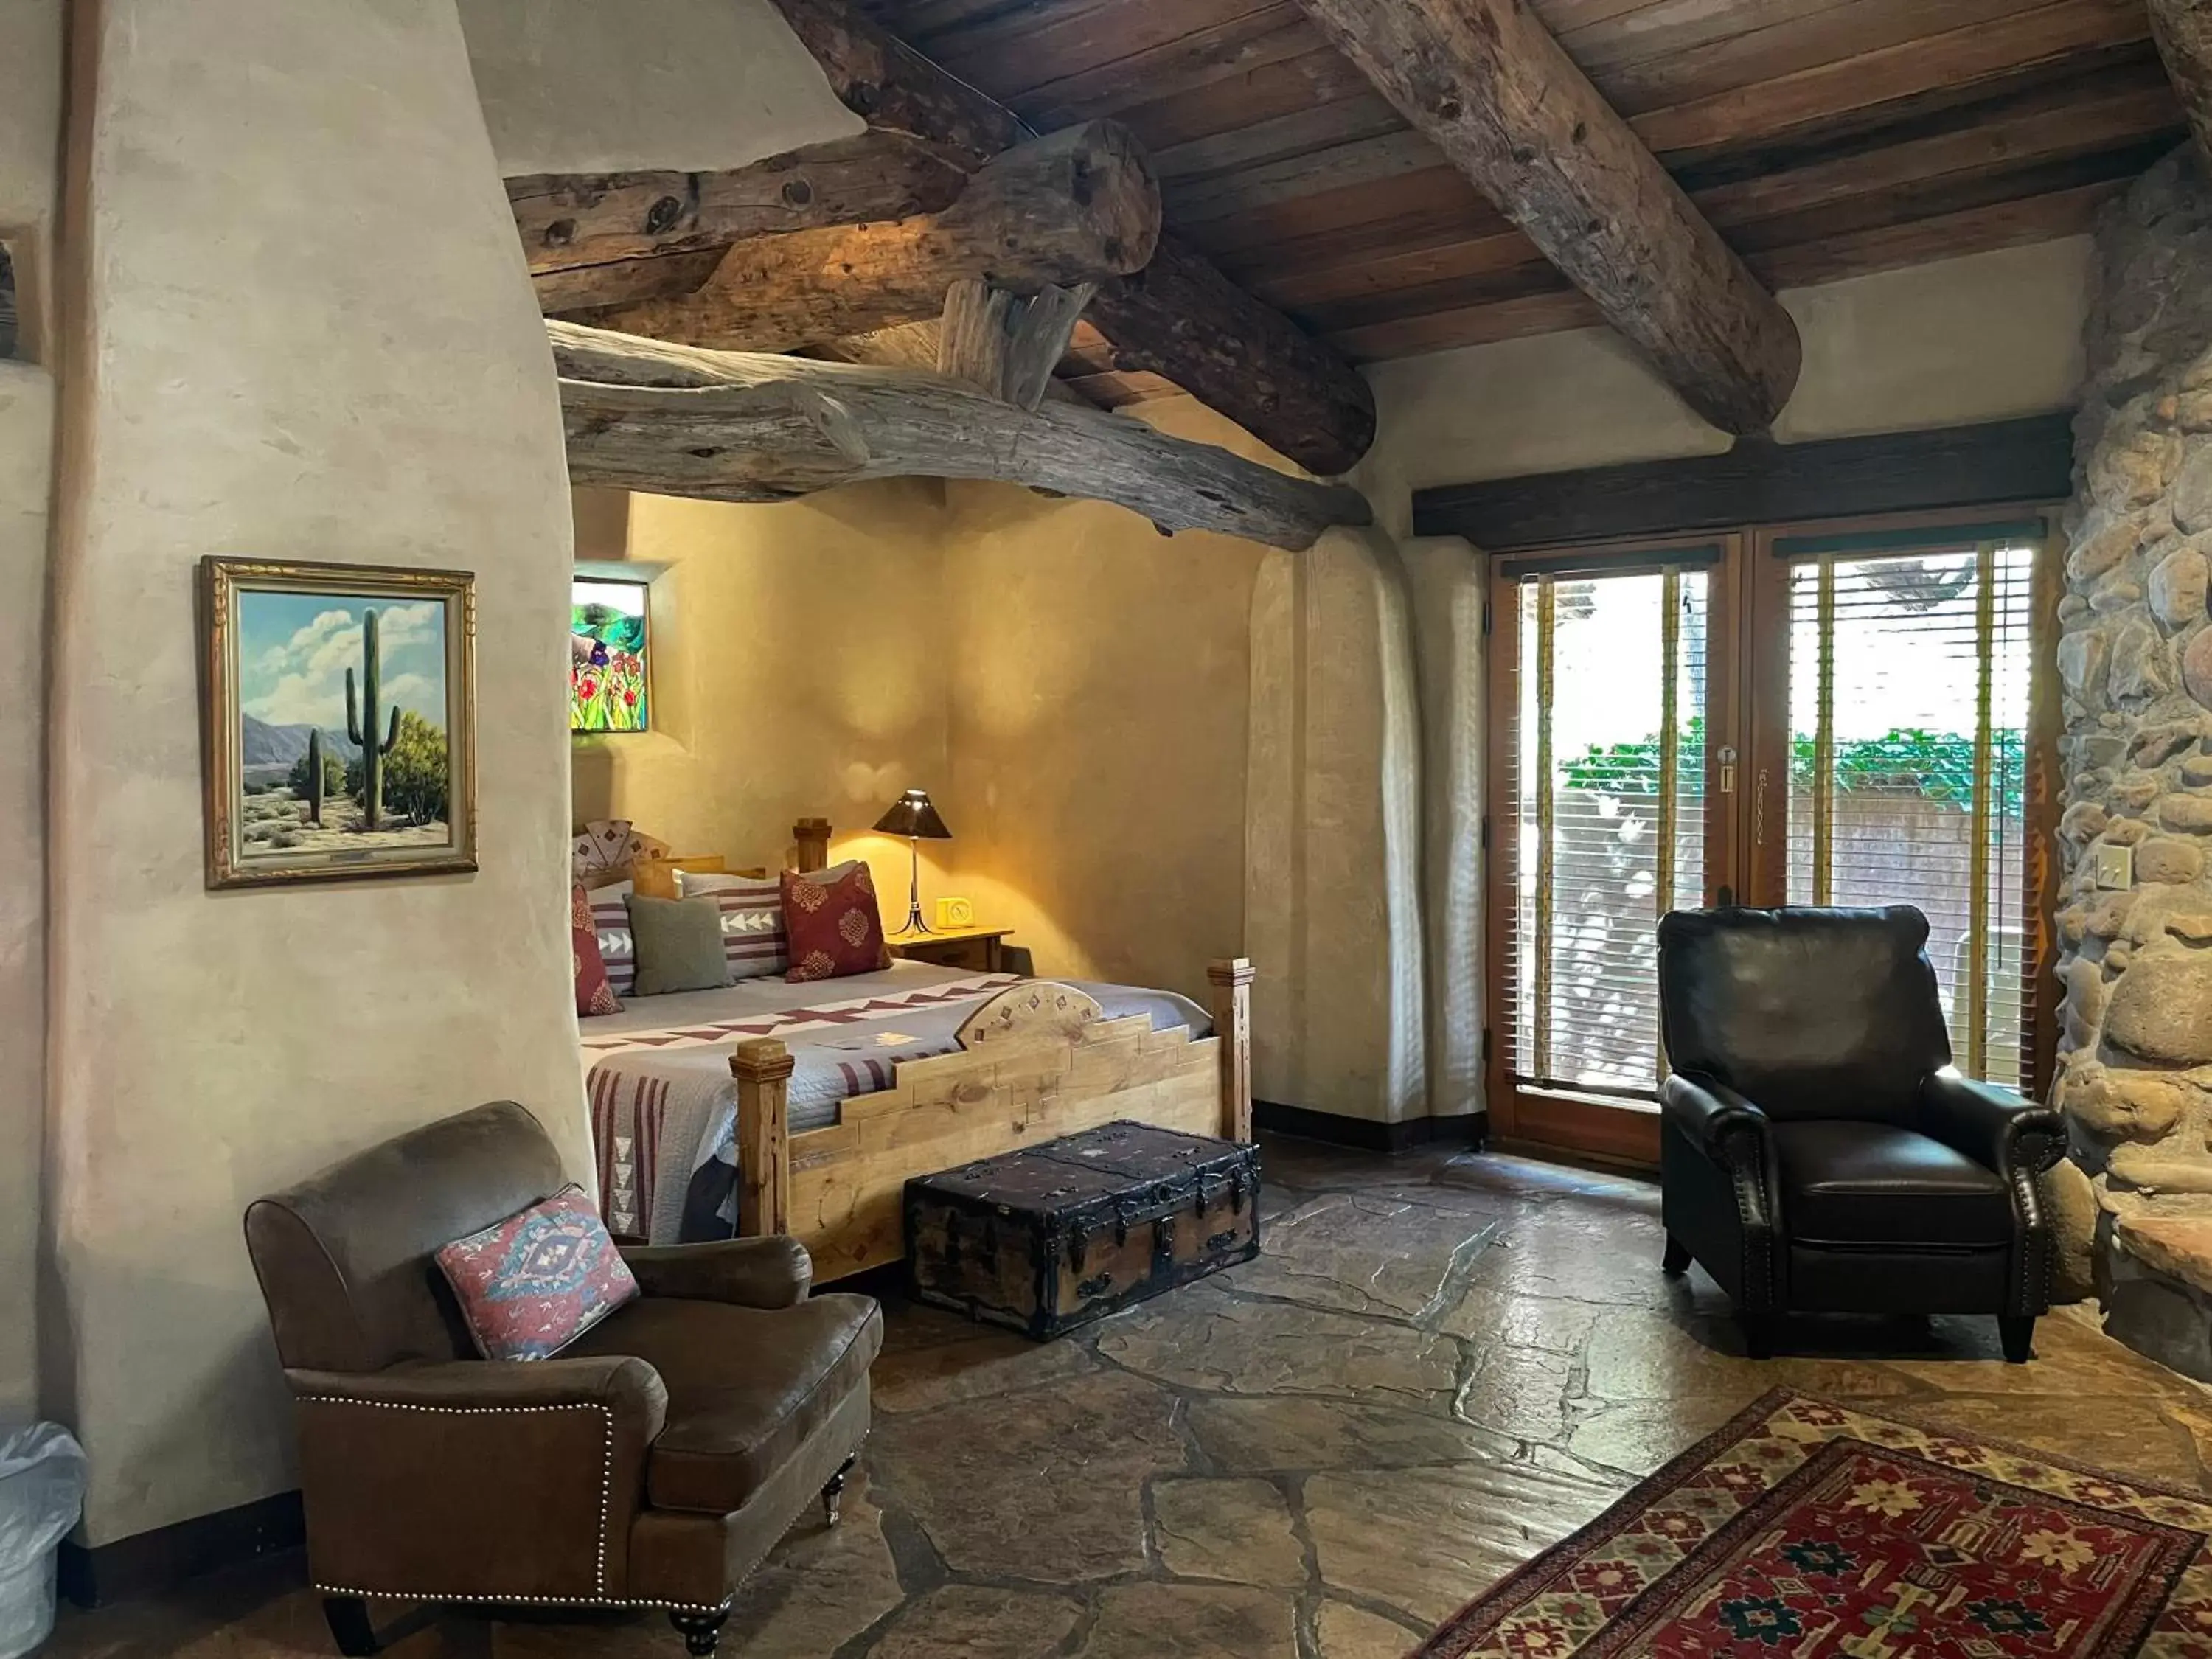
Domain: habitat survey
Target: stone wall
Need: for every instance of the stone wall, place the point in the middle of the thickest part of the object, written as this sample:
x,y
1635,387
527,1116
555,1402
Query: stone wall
x,y
2135,656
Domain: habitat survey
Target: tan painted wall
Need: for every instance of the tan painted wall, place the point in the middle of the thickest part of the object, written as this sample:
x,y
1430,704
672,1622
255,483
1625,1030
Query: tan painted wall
x,y
30,142
798,670
278,380
582,86
1098,731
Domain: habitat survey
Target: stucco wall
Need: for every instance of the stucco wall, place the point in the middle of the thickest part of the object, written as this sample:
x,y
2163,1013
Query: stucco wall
x,y
581,86
300,330
799,670
1099,675
30,142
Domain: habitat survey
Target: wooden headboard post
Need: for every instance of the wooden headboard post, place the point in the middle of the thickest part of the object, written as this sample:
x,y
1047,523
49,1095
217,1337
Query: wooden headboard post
x,y
811,844
1231,980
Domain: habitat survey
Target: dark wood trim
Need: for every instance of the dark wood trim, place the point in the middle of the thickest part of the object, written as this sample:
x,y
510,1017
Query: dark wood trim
x,y
1368,1135
2004,462
2044,799
148,1563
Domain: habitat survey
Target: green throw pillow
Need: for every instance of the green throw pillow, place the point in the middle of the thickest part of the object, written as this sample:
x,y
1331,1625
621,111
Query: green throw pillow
x,y
679,944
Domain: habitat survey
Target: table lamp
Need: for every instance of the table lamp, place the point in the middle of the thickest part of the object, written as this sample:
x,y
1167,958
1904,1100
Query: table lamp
x,y
912,816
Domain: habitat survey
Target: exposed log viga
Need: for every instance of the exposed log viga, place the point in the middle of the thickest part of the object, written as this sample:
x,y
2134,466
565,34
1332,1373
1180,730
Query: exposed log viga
x,y
675,420
1072,207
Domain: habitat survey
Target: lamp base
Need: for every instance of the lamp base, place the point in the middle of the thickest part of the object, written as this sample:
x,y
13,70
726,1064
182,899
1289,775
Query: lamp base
x,y
915,925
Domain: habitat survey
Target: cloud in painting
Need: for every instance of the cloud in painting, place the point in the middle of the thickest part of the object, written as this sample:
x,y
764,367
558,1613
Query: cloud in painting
x,y
295,648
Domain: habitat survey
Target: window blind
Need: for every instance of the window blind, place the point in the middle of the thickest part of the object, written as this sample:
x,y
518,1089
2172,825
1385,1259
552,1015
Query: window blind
x,y
1910,669
1607,780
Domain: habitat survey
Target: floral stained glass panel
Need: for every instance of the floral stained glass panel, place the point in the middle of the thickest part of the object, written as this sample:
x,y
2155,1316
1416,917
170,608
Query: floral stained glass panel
x,y
608,657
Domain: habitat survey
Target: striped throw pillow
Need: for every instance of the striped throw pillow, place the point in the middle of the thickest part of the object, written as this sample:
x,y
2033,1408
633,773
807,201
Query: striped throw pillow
x,y
753,938
617,948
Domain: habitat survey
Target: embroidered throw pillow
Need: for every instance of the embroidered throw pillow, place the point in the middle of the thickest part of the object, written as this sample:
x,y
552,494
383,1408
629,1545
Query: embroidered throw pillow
x,y
532,1284
679,945
752,920
832,925
593,994
611,926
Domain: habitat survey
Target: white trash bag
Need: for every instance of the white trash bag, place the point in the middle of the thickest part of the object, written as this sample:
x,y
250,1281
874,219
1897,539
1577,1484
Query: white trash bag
x,y
41,1490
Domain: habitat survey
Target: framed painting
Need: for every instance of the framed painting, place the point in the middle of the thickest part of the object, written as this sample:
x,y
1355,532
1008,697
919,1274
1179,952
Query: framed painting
x,y
337,721
609,657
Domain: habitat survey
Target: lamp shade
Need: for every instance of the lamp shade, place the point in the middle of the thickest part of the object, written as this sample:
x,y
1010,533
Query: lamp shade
x,y
911,814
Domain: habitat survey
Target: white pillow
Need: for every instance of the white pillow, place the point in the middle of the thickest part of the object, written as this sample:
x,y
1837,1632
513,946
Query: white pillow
x,y
689,884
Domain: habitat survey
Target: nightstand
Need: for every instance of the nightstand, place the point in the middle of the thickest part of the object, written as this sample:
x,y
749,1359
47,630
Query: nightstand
x,y
975,949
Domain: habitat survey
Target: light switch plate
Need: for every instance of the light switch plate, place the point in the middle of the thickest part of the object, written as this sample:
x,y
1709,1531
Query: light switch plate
x,y
2116,866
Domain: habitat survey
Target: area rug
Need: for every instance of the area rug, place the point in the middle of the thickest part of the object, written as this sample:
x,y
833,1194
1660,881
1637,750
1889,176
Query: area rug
x,y
1805,1526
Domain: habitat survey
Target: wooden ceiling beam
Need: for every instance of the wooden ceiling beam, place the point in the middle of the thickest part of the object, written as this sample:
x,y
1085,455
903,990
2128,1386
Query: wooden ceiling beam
x,y
673,419
607,238
1179,318
2183,29
1071,207
1486,80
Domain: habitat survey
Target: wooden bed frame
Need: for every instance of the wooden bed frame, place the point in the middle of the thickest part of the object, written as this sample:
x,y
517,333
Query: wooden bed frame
x,y
1036,1061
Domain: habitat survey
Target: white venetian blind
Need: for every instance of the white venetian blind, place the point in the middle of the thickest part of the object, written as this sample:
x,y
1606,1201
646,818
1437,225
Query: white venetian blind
x,y
1910,665
1607,833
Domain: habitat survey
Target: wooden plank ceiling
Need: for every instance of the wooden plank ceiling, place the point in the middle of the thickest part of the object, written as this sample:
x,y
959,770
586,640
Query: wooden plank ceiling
x,y
1824,138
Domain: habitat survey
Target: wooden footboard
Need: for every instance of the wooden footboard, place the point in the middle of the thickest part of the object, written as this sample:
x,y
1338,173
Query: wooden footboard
x,y
1036,1061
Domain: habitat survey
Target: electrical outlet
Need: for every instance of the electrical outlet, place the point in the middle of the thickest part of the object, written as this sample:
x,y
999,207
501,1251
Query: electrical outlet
x,y
2116,866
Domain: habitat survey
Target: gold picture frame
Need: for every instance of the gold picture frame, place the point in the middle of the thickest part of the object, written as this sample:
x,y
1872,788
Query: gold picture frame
x,y
394,755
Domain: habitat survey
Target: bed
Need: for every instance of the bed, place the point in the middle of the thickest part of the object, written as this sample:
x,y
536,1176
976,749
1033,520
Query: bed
x,y
765,1107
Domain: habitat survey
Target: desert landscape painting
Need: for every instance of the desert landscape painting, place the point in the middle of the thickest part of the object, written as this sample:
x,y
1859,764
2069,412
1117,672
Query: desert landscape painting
x,y
343,694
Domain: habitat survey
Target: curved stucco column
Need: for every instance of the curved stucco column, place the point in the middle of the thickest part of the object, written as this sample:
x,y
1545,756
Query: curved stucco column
x,y
302,331
1332,900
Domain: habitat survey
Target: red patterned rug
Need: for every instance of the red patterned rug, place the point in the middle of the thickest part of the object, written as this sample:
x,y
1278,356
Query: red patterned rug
x,y
1805,1526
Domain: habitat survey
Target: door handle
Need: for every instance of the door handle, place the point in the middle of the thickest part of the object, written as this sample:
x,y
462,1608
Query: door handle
x,y
1727,759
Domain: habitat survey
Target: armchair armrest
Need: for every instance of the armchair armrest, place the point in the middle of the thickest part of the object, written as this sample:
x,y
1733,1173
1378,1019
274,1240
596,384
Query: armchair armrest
x,y
752,1273
1709,1113
1998,1129
512,1479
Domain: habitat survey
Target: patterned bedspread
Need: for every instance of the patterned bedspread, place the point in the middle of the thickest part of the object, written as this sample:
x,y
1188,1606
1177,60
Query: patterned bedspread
x,y
663,1103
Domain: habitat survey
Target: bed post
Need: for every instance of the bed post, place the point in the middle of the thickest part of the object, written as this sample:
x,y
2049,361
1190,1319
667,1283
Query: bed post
x,y
763,1068
1231,979
811,844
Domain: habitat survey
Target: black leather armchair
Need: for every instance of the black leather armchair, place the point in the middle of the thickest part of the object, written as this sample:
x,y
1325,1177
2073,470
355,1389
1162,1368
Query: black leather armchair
x,y
1818,1154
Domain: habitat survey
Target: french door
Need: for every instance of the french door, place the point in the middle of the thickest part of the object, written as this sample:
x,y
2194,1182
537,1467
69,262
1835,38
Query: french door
x,y
1820,715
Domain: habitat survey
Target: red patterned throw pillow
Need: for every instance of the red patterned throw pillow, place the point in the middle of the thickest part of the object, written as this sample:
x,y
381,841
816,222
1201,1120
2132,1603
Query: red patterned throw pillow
x,y
534,1283
593,994
830,919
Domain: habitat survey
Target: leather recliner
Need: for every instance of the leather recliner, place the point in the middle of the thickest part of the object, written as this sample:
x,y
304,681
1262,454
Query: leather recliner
x,y
653,1462
1817,1151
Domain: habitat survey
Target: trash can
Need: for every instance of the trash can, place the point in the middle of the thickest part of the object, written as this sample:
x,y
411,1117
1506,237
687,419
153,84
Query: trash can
x,y
41,1490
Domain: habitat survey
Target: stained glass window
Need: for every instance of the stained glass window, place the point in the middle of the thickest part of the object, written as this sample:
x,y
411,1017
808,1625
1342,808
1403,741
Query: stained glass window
x,y
608,657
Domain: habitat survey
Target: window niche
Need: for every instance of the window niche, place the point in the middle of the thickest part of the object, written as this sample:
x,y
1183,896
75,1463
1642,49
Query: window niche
x,y
9,326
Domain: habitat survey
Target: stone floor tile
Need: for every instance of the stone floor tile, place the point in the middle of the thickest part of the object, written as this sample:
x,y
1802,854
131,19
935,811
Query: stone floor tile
x,y
1262,1436
1518,1391
982,1362
1427,1540
1552,1324
1050,1490
823,1585
1191,1621
968,1621
1348,1633
1364,1253
1236,1531
2127,1437
1639,1437
1204,1338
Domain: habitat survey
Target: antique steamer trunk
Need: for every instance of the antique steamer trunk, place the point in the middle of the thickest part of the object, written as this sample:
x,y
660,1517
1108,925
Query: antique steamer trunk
x,y
1054,1236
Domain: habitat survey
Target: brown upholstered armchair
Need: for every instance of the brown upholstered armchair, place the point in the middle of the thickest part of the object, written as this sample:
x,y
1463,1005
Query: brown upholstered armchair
x,y
652,1463
1818,1152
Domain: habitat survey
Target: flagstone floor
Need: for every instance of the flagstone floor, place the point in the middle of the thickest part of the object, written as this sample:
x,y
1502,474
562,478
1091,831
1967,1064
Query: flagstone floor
x,y
1441,1364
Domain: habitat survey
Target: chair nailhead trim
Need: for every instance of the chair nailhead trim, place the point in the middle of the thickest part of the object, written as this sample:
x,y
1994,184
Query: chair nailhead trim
x,y
606,1492
515,1600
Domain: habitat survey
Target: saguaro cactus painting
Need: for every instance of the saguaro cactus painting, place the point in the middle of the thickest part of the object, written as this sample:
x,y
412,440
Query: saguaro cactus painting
x,y
346,736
